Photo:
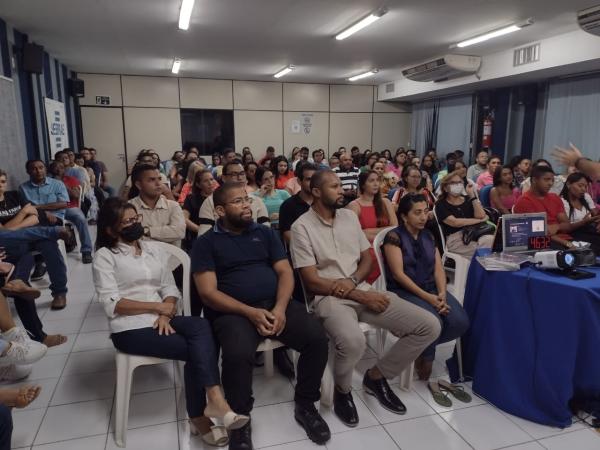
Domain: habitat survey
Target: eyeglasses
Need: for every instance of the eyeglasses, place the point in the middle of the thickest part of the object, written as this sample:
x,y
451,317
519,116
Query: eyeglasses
x,y
241,174
132,220
241,201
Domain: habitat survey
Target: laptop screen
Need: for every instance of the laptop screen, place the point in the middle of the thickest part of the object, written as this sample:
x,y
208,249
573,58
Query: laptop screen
x,y
518,228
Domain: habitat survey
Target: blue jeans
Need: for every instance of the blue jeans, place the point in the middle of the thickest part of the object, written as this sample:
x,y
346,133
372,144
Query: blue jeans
x,y
75,215
31,233
454,324
193,343
6,427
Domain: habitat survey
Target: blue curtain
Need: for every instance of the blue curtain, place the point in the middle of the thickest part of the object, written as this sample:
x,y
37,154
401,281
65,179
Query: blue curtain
x,y
423,128
454,124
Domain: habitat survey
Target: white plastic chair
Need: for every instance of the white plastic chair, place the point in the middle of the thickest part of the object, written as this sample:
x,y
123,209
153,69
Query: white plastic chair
x,y
381,285
127,363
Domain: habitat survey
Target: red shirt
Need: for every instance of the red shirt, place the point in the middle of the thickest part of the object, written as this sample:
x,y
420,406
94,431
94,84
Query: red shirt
x,y
551,204
71,182
283,179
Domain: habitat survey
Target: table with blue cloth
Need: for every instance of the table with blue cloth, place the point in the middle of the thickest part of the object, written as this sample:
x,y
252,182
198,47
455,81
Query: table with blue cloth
x,y
534,341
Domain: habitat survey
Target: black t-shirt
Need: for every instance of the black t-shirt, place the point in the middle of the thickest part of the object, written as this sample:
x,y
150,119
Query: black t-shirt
x,y
10,206
192,204
243,263
443,209
290,211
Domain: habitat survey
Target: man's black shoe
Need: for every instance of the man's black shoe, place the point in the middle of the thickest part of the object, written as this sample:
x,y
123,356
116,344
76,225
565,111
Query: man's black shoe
x,y
283,363
86,258
383,392
344,408
316,428
241,439
39,271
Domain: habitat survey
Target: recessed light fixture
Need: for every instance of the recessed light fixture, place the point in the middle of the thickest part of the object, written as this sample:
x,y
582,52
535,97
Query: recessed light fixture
x,y
493,34
185,14
176,66
283,72
363,75
373,17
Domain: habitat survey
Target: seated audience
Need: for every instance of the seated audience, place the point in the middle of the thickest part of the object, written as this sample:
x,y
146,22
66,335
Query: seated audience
x,y
103,179
387,154
480,166
368,161
539,198
348,175
232,172
520,167
390,183
412,183
486,178
504,195
450,161
247,158
297,204
227,261
414,272
374,214
334,161
216,165
379,168
162,219
269,156
398,164
140,298
73,212
319,159
356,158
67,157
559,180
184,187
281,171
129,190
271,197
456,211
461,168
303,156
332,253
202,188
428,166
178,157
250,170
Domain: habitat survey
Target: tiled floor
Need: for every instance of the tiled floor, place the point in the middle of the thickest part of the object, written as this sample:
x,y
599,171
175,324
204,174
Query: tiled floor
x,y
75,409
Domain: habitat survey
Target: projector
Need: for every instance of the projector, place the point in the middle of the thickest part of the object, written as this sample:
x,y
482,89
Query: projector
x,y
555,259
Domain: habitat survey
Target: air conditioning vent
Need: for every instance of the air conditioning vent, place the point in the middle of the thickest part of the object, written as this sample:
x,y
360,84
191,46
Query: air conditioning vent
x,y
445,68
389,88
589,20
526,55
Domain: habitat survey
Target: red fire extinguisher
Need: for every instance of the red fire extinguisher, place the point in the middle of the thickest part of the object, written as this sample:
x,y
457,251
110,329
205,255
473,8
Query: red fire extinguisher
x,y
486,140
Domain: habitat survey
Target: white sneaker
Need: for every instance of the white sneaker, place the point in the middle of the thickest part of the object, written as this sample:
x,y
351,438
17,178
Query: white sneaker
x,y
23,354
14,373
17,334
20,336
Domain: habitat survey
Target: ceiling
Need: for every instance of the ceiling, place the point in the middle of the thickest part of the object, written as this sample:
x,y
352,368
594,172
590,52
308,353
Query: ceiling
x,y
253,39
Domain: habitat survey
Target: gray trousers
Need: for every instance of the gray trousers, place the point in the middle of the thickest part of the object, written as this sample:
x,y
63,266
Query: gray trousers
x,y
414,327
455,244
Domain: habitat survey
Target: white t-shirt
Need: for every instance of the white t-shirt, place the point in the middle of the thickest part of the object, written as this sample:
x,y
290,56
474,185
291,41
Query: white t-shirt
x,y
579,214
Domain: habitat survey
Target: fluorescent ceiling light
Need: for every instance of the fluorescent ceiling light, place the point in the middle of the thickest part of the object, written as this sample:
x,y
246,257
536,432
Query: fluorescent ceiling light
x,y
361,24
176,66
283,72
363,75
493,34
185,14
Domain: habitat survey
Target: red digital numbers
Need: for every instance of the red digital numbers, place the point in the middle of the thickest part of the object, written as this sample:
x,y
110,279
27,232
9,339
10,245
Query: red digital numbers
x,y
539,242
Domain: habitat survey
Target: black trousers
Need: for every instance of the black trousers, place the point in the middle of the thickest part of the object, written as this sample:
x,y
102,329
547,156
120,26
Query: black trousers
x,y
239,339
193,343
6,427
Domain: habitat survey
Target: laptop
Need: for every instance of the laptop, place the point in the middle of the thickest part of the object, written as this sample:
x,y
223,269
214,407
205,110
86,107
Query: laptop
x,y
517,229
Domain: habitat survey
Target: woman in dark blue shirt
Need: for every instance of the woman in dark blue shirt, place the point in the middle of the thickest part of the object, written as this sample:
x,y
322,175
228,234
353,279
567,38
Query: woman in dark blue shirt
x,y
414,272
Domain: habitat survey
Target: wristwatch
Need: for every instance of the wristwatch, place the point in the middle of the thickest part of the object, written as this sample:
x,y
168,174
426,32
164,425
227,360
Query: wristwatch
x,y
354,280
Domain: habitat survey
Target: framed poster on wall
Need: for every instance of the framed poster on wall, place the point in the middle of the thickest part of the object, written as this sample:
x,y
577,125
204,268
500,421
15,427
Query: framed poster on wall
x,y
56,120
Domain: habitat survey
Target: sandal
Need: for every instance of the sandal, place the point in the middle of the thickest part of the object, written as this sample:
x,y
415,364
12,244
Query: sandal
x,y
457,391
217,436
438,396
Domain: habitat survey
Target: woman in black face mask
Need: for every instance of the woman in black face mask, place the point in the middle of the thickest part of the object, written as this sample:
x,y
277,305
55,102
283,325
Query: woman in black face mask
x,y
139,296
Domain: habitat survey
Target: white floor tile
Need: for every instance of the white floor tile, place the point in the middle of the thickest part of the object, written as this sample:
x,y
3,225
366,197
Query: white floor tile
x,y
526,446
298,445
75,311
365,416
84,387
425,433
94,340
155,437
578,440
539,431
271,390
368,438
415,406
153,378
91,362
96,309
87,443
25,425
48,385
95,323
62,326
484,427
264,431
76,420
150,408
48,367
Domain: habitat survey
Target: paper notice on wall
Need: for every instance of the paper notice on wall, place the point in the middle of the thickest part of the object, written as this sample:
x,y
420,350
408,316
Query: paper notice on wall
x,y
56,120
307,122
295,126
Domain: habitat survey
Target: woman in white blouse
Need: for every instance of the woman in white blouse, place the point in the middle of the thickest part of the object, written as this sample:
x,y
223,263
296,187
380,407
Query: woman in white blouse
x,y
139,296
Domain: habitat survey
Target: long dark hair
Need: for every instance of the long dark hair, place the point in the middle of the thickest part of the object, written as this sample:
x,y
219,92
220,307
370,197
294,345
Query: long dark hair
x,y
574,178
259,174
380,209
430,170
109,217
275,162
497,177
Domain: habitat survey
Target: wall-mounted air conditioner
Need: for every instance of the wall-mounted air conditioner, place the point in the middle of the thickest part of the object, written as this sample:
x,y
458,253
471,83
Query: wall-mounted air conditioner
x,y
444,68
589,20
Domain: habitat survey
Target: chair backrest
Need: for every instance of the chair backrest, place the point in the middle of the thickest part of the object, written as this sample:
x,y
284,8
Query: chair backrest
x,y
442,238
176,258
80,196
380,284
484,195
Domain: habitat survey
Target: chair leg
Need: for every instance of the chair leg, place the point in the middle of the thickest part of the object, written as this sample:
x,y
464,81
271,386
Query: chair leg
x,y
461,375
406,378
269,371
327,382
123,394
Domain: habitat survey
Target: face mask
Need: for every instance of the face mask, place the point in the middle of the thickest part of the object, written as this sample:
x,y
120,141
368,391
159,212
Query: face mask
x,y
456,189
132,232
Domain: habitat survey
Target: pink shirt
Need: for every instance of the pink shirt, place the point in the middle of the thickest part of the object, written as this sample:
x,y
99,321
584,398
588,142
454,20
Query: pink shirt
x,y
485,179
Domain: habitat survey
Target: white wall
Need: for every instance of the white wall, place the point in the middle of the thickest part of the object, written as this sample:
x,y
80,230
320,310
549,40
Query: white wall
x,y
330,116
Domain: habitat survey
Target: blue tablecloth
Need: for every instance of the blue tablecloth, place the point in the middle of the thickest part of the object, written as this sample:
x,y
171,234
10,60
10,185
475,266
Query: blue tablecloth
x,y
534,341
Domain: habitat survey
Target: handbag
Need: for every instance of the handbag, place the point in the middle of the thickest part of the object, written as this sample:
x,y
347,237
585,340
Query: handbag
x,y
474,232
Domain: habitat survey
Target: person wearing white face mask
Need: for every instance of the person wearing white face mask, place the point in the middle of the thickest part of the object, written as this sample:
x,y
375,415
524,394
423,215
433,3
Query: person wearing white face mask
x,y
456,211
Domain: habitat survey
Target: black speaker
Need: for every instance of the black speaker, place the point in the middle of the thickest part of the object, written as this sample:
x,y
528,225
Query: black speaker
x,y
33,58
76,87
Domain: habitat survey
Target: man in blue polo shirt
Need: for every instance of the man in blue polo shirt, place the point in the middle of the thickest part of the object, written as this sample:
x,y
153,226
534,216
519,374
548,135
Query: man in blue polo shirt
x,y
242,274
49,196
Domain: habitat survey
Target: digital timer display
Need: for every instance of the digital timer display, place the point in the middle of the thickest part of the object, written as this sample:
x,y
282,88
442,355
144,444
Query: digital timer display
x,y
539,242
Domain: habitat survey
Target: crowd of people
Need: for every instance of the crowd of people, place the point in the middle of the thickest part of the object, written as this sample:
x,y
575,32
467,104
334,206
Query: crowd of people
x,y
268,238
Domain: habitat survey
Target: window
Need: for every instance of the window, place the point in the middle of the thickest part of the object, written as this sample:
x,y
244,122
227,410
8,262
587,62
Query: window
x,y
210,130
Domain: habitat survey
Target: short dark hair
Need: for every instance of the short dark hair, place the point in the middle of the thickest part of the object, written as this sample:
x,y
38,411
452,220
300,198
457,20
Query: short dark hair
x,y
227,151
319,150
494,157
52,166
318,178
304,167
226,167
30,162
138,170
260,172
539,171
270,148
220,195
406,203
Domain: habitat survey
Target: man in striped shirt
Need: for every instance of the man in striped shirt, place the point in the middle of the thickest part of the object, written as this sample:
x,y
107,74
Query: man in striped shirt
x,y
348,175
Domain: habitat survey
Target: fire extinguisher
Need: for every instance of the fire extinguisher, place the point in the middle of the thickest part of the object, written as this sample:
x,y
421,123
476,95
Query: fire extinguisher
x,y
486,140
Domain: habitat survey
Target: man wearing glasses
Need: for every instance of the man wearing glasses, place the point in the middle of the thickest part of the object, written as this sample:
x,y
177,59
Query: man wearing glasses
x,y
233,172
